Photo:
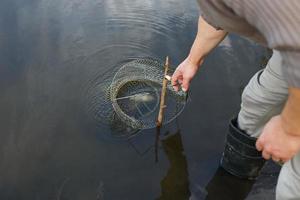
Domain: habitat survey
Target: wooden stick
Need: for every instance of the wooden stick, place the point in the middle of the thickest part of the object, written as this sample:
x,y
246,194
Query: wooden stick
x,y
162,105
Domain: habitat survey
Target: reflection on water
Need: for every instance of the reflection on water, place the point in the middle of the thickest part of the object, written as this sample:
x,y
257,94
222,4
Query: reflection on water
x,y
175,184
51,52
227,187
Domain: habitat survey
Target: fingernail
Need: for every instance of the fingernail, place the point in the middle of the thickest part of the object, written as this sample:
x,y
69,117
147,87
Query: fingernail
x,y
183,89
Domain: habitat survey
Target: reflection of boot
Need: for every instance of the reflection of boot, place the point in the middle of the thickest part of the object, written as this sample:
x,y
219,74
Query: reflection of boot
x,y
240,156
225,186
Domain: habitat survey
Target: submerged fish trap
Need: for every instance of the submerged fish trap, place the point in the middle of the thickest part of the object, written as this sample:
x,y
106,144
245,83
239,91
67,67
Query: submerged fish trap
x,y
130,101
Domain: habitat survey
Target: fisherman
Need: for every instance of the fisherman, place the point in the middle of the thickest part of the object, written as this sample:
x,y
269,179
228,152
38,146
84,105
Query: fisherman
x,y
270,108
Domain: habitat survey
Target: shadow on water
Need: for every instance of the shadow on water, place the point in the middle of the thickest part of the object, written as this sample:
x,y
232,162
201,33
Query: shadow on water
x,y
53,56
175,185
225,186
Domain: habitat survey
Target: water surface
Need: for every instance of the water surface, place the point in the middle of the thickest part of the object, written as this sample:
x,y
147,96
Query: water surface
x,y
51,146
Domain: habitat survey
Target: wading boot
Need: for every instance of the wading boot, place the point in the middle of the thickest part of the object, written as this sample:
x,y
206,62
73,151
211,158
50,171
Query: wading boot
x,y
240,157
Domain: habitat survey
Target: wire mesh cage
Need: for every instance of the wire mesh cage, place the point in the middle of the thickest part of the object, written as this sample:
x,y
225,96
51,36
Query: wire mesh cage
x,y
135,92
130,100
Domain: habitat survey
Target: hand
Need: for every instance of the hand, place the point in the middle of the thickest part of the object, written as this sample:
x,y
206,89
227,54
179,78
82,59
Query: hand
x,y
276,143
184,74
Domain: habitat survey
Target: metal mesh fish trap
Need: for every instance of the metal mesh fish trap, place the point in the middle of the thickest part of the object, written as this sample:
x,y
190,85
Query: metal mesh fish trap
x,y
135,93
130,100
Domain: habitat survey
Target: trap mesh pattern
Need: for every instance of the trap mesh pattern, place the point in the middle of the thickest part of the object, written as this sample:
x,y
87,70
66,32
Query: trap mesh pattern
x,y
127,97
135,94
99,106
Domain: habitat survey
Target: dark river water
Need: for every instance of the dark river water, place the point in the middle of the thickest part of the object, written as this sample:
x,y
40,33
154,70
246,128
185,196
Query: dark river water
x,y
53,147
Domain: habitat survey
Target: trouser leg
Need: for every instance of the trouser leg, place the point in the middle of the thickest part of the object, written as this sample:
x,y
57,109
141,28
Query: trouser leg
x,y
263,97
288,186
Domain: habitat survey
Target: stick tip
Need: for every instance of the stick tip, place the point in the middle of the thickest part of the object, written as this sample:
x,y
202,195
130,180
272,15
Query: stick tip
x,y
167,60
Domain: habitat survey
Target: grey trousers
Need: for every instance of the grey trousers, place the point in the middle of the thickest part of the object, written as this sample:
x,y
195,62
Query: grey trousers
x,y
263,98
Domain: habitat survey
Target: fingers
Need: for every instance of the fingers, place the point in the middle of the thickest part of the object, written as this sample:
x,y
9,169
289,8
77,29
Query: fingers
x,y
182,77
259,144
266,155
185,84
260,147
265,144
179,80
267,151
275,158
175,79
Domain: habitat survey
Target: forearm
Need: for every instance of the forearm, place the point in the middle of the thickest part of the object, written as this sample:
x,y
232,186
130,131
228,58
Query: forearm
x,y
291,113
206,40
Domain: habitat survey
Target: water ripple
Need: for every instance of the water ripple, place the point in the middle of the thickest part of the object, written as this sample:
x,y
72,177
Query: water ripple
x,y
102,65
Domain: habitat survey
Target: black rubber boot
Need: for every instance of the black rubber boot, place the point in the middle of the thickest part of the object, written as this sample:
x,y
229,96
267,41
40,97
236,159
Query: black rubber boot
x,y
240,156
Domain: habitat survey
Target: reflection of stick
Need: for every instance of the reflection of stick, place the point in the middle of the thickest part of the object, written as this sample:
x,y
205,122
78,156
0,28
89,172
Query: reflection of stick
x,y
156,143
161,108
61,188
163,95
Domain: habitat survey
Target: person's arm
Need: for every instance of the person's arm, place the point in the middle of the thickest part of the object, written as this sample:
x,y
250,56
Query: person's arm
x,y
208,37
291,112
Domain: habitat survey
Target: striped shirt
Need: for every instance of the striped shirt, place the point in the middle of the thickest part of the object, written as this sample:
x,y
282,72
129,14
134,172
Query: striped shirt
x,y
272,23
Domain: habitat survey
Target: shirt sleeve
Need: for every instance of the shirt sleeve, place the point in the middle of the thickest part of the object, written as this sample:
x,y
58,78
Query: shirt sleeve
x,y
210,23
208,12
279,23
223,16
291,67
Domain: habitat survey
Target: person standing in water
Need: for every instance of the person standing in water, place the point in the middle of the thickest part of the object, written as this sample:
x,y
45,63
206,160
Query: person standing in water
x,y
268,124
